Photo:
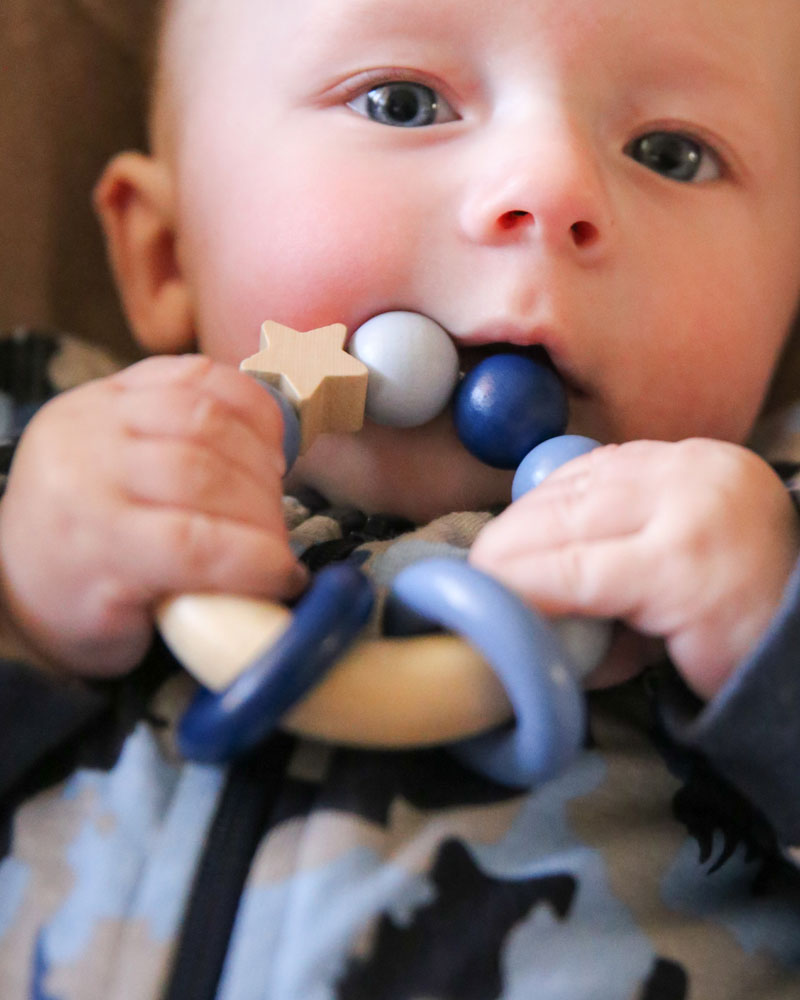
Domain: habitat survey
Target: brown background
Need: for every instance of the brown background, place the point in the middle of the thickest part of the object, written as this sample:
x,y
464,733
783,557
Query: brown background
x,y
71,94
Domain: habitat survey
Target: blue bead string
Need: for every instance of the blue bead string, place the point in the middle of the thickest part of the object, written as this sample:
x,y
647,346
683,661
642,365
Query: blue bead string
x,y
510,411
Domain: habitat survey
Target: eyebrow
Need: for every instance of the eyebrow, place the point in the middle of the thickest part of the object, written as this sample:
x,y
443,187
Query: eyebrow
x,y
672,66
676,58
701,70
378,18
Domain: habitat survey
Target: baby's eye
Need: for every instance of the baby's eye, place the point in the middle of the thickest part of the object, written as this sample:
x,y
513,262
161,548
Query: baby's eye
x,y
676,156
403,103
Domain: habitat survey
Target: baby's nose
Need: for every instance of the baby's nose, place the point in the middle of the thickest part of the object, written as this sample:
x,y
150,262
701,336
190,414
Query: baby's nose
x,y
548,190
582,232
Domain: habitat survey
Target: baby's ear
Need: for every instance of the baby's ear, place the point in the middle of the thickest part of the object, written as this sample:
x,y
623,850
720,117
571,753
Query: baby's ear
x,y
134,199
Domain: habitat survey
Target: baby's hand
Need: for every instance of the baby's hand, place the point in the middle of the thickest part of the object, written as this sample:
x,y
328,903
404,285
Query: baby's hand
x,y
692,542
163,478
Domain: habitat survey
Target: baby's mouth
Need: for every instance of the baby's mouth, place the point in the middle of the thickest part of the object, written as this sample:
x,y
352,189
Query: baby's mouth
x,y
472,355
502,382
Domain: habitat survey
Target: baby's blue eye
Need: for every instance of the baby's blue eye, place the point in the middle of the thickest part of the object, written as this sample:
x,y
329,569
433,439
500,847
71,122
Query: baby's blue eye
x,y
404,104
676,156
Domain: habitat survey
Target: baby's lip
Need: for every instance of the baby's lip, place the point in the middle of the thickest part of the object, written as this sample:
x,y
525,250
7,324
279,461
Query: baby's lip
x,y
472,354
507,340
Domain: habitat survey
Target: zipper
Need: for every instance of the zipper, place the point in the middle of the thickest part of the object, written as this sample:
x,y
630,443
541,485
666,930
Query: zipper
x,y
246,810
243,816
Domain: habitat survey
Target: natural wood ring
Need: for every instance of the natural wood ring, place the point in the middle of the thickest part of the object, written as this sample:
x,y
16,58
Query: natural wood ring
x,y
415,691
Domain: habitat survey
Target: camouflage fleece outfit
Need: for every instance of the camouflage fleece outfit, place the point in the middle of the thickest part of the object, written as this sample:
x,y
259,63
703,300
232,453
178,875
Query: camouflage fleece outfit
x,y
310,872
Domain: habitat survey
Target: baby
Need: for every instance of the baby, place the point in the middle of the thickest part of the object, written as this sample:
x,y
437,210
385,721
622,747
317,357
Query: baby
x,y
615,184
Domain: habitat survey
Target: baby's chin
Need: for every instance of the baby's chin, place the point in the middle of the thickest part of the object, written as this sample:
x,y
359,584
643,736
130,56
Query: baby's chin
x,y
420,473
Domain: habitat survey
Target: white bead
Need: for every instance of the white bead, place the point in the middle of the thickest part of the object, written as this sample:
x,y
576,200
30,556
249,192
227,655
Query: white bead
x,y
585,640
413,367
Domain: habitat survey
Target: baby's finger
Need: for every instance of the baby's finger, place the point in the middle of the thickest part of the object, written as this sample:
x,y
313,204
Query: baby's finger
x,y
182,474
184,413
577,509
241,393
602,579
187,552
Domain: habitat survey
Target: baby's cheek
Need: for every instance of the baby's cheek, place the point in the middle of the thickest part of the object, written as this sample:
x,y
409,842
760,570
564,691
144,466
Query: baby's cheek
x,y
333,278
293,243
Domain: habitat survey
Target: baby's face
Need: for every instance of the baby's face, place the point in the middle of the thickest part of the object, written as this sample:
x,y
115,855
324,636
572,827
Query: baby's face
x,y
615,181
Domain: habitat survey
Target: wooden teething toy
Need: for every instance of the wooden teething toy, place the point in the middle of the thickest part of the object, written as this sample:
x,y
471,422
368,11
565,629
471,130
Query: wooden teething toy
x,y
259,663
314,373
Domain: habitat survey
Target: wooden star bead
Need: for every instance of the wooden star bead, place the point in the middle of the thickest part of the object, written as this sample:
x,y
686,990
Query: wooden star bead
x,y
325,384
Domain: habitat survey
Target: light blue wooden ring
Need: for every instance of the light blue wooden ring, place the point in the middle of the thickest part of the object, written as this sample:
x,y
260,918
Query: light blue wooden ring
x,y
525,654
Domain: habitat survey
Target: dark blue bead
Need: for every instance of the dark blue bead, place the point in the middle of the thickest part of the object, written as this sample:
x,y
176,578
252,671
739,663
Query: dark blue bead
x,y
507,405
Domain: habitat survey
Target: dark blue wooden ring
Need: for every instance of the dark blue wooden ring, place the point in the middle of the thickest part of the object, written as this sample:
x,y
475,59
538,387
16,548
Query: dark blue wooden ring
x,y
220,725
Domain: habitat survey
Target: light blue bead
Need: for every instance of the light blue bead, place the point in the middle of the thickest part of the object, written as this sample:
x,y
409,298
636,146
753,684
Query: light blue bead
x,y
507,405
529,660
585,640
291,425
546,458
413,367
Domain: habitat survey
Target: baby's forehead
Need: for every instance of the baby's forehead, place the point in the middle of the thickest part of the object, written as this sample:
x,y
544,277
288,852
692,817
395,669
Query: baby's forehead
x,y
176,18
187,28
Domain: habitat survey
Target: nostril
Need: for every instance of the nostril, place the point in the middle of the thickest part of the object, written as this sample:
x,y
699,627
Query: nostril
x,y
584,233
510,219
